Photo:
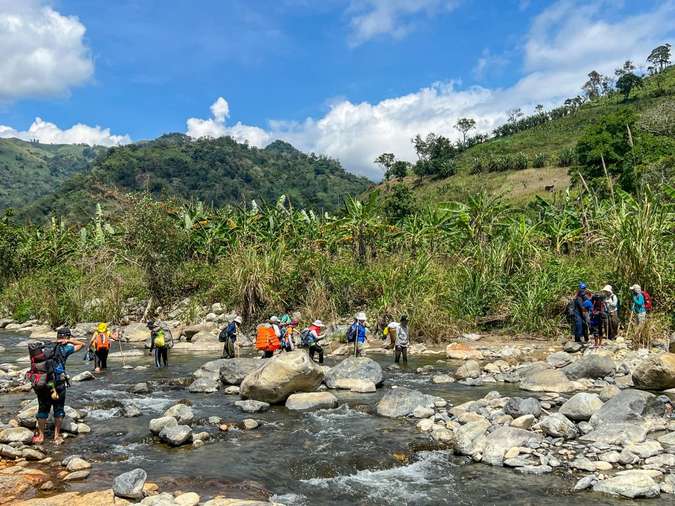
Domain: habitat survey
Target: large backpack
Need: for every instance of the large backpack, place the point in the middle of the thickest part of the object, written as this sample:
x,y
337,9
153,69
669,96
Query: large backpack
x,y
43,358
648,300
102,341
222,337
306,338
351,333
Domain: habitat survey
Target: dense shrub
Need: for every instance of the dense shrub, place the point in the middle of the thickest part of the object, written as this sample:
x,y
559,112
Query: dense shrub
x,y
539,160
567,157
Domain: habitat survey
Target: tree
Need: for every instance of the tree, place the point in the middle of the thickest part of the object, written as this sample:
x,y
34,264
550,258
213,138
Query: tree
x,y
514,114
627,68
539,109
627,82
464,125
660,57
399,169
400,203
386,160
435,155
593,87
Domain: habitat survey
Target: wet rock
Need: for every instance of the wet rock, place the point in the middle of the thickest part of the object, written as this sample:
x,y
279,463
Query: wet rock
x,y
361,368
616,434
77,475
608,392
536,470
77,464
9,452
572,347
549,380
158,424
161,499
470,438
182,413
131,411
250,424
442,379
232,390
403,401
461,351
585,482
590,366
311,401
629,484
83,376
470,369
423,412
656,373
498,442
628,406
282,376
582,463
176,435
233,371
130,485
140,388
558,425
559,359
517,407
356,385
581,406
251,406
32,454
204,385
16,435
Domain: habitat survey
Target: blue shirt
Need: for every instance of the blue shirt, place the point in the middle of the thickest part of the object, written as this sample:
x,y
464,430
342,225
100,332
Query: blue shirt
x,y
66,351
639,303
361,332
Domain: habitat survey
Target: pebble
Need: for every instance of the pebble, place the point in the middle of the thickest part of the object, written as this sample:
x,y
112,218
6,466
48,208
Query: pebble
x,y
250,424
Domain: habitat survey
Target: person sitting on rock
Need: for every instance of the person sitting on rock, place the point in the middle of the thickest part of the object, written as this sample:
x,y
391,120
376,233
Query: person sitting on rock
x,y
402,341
228,336
53,394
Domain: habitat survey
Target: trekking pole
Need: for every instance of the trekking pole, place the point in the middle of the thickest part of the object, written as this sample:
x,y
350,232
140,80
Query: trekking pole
x,y
119,341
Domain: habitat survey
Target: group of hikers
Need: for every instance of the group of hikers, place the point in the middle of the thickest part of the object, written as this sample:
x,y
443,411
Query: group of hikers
x,y
597,314
282,334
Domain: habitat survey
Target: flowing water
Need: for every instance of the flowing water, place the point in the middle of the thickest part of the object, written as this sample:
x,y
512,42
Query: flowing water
x,y
339,456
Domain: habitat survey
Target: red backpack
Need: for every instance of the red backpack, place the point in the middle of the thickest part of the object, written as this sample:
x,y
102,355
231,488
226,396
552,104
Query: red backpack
x,y
648,300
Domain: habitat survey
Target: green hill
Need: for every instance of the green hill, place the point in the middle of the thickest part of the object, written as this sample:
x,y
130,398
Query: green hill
x,y
547,142
29,170
215,171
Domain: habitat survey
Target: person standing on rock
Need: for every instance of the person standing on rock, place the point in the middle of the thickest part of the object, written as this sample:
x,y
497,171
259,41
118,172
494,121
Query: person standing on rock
x,y
612,304
581,314
314,335
268,337
402,341
639,307
55,398
598,318
100,342
361,331
228,336
160,342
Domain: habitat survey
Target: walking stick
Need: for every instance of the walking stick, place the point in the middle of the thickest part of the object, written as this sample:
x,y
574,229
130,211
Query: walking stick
x,y
119,341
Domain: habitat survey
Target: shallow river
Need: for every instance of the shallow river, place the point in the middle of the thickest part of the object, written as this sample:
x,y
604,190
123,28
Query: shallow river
x,y
339,456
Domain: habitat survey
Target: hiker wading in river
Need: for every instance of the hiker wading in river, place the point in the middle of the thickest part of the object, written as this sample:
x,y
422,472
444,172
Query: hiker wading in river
x,y
160,342
48,377
402,341
228,336
100,342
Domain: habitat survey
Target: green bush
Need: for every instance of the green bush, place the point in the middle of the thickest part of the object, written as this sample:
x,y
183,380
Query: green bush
x,y
539,160
567,157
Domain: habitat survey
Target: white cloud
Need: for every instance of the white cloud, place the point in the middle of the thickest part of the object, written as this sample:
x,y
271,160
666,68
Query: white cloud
x,y
49,133
565,42
42,53
371,18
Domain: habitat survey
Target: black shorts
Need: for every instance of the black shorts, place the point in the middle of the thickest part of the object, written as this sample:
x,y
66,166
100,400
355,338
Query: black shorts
x,y
46,403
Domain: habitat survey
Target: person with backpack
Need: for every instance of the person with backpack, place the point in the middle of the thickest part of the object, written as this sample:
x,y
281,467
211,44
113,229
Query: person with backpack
x,y
161,340
639,305
360,331
47,375
612,305
228,336
288,333
402,341
268,337
100,343
581,314
598,314
311,337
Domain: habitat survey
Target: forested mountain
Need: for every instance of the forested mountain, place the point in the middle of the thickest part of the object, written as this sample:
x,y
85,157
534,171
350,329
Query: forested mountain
x,y
214,171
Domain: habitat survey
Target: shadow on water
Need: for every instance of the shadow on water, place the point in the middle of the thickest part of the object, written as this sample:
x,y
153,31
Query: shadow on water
x,y
341,456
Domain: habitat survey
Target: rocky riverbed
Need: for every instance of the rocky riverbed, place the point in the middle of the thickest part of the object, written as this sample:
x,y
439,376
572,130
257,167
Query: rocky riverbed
x,y
458,425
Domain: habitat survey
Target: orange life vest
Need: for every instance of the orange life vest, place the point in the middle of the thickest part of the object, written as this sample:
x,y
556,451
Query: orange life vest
x,y
102,341
266,339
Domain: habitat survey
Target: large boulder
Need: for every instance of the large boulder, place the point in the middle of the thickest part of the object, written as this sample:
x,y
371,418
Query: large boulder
x,y
282,376
517,407
581,406
192,330
501,440
130,485
156,425
547,380
462,351
631,484
470,437
311,400
470,369
558,425
629,406
559,359
617,434
176,435
656,373
361,368
403,401
204,386
16,435
181,412
234,370
590,366
136,333
210,369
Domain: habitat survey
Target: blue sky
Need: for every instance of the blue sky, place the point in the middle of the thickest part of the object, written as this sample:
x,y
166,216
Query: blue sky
x,y
348,78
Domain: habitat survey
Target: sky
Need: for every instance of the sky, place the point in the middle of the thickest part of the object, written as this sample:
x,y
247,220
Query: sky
x,y
350,79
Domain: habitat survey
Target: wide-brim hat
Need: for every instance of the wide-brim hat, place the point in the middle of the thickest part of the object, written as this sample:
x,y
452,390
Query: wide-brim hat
x,y
318,323
635,288
237,319
608,289
361,316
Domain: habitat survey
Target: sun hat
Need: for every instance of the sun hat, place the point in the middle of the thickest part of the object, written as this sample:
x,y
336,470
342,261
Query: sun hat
x,y
361,316
318,323
636,288
274,319
607,288
393,325
237,319
102,327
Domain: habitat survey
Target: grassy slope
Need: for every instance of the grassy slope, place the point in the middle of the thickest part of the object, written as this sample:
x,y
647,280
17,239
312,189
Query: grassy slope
x,y
521,186
29,170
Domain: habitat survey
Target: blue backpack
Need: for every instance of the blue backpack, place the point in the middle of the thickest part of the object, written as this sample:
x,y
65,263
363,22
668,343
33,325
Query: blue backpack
x,y
306,338
351,333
